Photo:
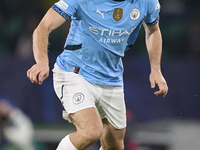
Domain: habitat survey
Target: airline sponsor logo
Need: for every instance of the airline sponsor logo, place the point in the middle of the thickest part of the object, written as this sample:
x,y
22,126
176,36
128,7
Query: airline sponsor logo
x,y
111,36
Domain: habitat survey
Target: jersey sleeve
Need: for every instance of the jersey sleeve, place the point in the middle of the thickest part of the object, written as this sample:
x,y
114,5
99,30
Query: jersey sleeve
x,y
153,10
66,8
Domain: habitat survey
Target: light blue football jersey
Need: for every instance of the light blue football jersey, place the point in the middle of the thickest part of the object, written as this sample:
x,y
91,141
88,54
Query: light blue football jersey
x,y
101,31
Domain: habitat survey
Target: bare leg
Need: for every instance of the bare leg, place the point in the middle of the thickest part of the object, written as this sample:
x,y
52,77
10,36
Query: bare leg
x,y
111,138
89,128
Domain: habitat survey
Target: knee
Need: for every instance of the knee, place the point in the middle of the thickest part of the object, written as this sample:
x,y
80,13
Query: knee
x,y
89,138
116,146
92,135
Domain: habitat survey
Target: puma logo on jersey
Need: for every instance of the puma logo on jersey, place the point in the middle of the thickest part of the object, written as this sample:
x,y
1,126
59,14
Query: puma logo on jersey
x,y
102,13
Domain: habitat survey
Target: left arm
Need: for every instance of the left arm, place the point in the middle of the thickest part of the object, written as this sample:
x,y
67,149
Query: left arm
x,y
154,48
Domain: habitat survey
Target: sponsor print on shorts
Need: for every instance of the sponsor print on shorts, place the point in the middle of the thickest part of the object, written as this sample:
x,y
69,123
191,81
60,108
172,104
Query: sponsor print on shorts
x,y
78,98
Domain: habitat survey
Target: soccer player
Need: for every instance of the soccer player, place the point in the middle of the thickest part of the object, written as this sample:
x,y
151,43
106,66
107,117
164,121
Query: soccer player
x,y
88,73
16,126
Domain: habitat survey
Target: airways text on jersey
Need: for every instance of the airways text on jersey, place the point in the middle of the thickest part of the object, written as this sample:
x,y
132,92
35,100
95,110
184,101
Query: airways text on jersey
x,y
111,36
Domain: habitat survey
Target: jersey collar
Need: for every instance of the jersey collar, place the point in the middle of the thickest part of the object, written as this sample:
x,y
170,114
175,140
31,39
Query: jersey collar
x,y
118,0
122,0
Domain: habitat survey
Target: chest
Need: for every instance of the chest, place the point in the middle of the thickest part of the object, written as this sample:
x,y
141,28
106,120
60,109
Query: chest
x,y
107,15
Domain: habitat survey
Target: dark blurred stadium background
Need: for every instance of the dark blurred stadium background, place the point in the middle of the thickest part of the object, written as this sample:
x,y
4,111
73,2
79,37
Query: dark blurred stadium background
x,y
154,122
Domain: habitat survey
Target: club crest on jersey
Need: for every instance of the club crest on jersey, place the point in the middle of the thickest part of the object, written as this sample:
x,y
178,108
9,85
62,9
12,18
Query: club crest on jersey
x,y
78,98
117,14
135,14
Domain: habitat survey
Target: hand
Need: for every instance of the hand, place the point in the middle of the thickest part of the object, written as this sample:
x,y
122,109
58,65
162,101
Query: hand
x,y
38,73
156,77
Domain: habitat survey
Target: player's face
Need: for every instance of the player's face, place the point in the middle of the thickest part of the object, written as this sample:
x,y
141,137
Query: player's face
x,y
5,108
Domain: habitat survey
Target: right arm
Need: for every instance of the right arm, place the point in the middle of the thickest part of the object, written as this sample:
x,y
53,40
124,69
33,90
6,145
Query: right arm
x,y
50,22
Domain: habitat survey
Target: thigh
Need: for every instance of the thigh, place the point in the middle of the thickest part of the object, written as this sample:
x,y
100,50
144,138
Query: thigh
x,y
112,106
86,119
73,91
89,127
112,138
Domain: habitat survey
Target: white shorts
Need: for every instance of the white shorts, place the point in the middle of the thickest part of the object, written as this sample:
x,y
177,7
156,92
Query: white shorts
x,y
76,93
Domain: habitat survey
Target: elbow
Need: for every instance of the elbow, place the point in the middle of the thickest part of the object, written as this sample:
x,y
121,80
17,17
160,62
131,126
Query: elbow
x,y
42,29
34,33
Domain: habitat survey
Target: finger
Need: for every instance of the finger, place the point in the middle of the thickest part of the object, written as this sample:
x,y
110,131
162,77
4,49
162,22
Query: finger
x,y
164,94
161,93
28,73
42,77
153,84
33,76
166,90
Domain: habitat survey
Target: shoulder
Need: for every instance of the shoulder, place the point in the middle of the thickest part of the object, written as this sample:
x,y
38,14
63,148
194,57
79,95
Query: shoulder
x,y
66,3
153,3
